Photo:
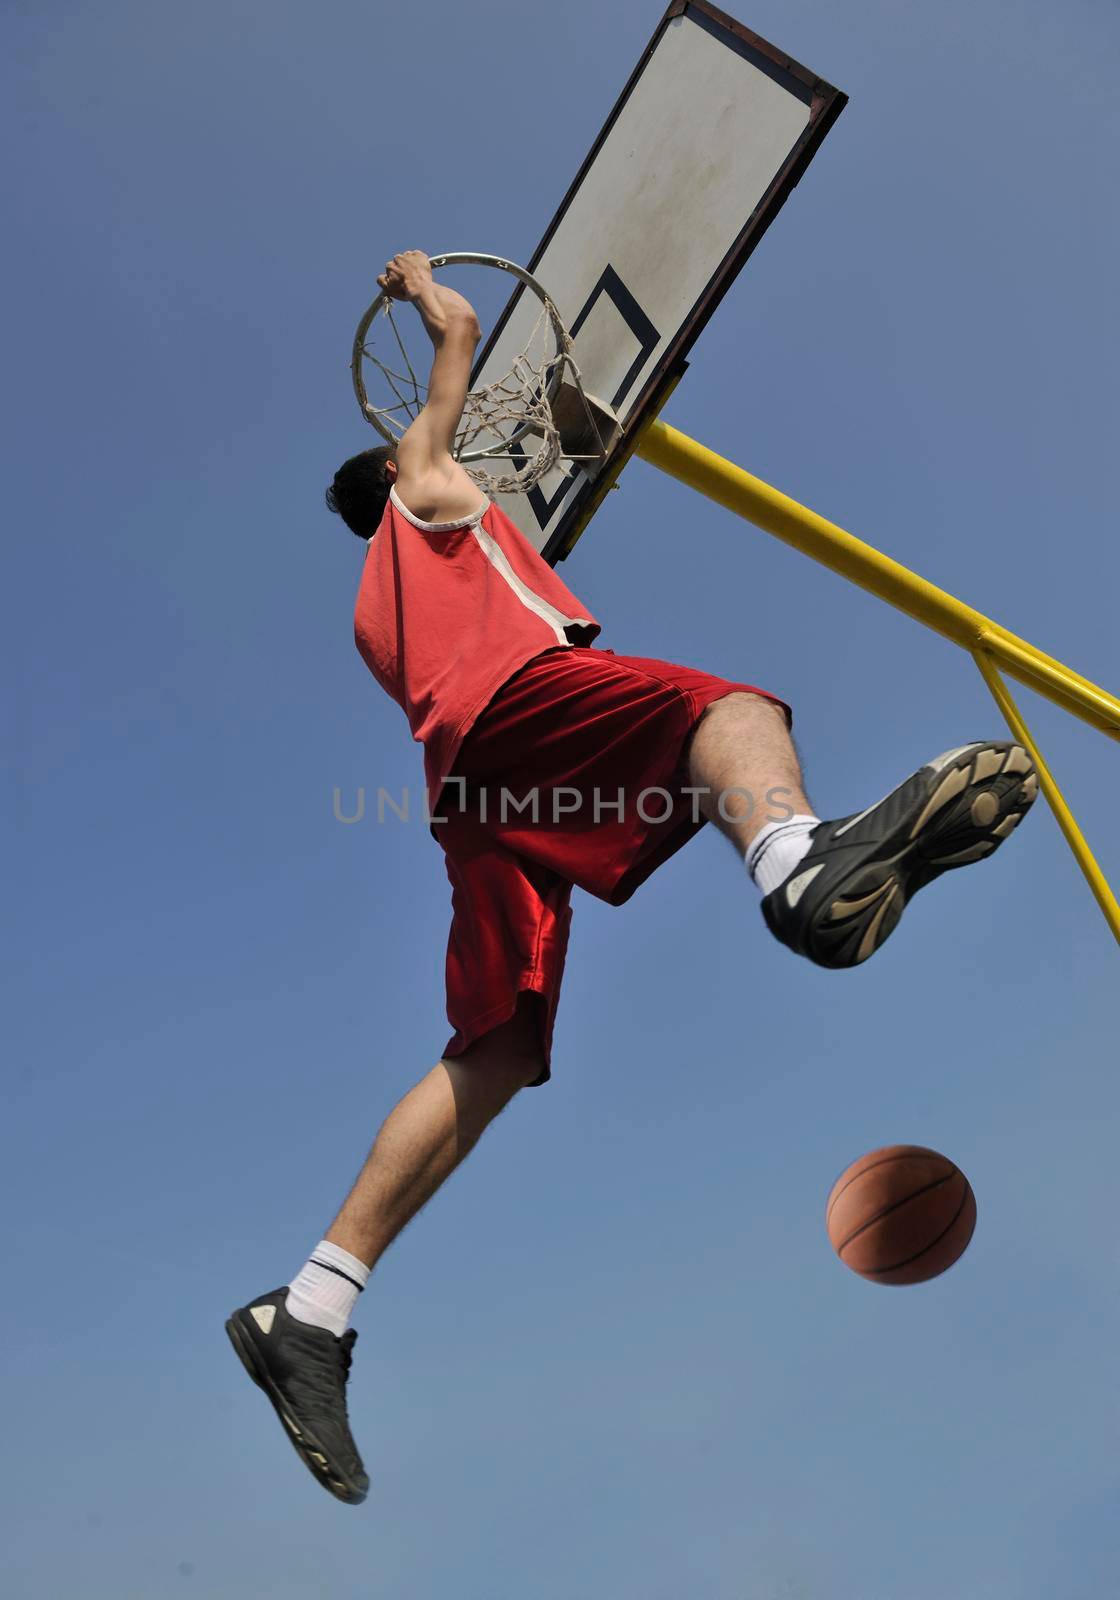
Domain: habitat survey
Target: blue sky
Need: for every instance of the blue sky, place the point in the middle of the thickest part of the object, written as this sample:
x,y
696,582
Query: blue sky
x,y
615,1357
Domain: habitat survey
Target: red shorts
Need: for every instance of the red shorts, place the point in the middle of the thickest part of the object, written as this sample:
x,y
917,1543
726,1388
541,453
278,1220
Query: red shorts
x,y
593,748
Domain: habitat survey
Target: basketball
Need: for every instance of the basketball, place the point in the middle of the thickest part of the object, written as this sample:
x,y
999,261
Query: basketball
x,y
902,1214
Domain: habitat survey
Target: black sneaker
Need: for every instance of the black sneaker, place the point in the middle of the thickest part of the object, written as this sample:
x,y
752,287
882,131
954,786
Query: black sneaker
x,y
303,1371
846,895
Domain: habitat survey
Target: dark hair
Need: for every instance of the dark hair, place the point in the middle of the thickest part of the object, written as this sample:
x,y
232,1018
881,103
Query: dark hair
x,y
360,490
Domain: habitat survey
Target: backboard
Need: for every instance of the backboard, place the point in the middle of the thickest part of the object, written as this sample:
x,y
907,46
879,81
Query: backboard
x,y
708,138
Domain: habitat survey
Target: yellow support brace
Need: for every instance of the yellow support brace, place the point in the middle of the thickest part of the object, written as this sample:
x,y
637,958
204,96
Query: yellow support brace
x,y
986,641
1066,820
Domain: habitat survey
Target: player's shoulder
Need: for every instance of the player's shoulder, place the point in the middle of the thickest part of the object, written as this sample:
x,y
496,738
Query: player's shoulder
x,y
432,499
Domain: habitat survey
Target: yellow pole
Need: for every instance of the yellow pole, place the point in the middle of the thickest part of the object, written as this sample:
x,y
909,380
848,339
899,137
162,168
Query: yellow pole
x,y
721,480
986,641
1066,820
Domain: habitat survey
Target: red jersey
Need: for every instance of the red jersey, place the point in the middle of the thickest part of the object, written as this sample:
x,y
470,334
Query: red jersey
x,y
447,612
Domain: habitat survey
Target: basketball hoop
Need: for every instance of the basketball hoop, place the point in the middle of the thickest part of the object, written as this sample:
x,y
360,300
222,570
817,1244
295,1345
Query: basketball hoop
x,y
540,397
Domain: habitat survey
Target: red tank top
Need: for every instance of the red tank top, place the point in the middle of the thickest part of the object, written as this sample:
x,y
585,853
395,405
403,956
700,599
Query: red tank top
x,y
447,612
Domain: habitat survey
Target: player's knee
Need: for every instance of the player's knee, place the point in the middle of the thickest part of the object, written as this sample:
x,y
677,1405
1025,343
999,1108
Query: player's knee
x,y
513,1051
526,1040
526,1066
513,1063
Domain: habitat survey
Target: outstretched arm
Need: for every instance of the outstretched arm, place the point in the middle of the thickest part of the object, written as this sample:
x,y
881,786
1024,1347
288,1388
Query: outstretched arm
x,y
453,328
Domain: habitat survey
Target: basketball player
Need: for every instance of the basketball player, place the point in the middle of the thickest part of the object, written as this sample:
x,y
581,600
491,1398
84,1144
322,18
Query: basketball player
x,y
569,765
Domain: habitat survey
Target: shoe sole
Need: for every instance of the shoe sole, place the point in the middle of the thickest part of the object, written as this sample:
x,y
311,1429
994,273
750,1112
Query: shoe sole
x,y
303,1440
977,797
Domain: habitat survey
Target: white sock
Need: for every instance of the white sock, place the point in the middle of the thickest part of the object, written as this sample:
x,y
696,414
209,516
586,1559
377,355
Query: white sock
x,y
777,849
324,1290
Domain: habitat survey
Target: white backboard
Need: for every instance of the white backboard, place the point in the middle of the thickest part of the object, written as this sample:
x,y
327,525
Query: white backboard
x,y
705,143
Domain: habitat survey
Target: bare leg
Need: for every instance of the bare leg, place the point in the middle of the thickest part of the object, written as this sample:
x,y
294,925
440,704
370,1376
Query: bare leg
x,y
742,751
433,1128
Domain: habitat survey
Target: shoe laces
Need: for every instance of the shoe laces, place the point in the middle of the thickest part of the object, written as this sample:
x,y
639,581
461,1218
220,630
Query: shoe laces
x,y
345,1350
322,1368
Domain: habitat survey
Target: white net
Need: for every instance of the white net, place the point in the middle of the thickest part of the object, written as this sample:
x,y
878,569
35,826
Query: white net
x,y
509,420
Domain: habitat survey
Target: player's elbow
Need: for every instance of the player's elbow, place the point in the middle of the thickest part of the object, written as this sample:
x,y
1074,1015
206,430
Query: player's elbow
x,y
462,323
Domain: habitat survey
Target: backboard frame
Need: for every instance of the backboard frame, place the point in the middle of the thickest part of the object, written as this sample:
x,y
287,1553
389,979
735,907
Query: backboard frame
x,y
825,103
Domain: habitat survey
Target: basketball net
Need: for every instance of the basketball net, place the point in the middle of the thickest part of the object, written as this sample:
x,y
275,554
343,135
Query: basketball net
x,y
499,415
